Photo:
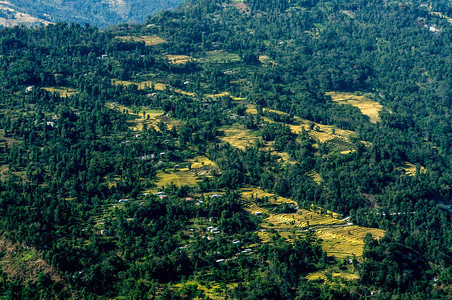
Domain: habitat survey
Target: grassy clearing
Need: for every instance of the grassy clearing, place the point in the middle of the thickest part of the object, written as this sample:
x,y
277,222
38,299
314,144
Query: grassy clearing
x,y
220,57
149,40
9,141
62,91
24,263
367,106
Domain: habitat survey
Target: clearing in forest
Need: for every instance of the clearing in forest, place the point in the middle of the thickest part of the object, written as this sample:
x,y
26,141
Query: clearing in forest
x,y
149,40
441,15
24,263
62,91
238,137
219,57
333,137
411,170
149,84
338,237
212,290
179,59
367,106
143,116
142,84
188,173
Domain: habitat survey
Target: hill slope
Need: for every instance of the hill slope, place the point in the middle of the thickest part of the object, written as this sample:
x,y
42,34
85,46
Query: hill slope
x,y
96,12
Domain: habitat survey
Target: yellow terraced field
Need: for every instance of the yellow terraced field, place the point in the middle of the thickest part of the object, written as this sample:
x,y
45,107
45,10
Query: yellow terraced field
x,y
199,166
336,276
63,91
321,132
142,84
345,241
178,178
367,106
214,291
410,169
144,116
338,238
239,138
219,95
149,40
178,59
202,162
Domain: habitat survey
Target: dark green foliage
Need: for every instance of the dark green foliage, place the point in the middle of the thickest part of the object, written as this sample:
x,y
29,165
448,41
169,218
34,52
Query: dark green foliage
x,y
72,184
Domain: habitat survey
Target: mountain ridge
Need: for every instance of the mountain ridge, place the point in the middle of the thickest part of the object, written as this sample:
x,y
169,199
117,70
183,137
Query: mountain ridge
x,y
100,13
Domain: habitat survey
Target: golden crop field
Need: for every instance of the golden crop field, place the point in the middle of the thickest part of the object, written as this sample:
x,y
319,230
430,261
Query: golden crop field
x,y
338,238
219,95
179,59
212,291
410,169
144,116
178,178
149,40
142,84
367,106
239,138
187,174
202,162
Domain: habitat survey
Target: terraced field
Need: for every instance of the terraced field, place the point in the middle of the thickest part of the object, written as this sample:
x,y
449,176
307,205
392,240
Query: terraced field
x,y
367,106
149,40
143,116
62,91
339,237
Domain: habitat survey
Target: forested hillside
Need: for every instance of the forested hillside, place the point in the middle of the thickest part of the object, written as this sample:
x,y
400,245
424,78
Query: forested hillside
x,y
100,13
230,149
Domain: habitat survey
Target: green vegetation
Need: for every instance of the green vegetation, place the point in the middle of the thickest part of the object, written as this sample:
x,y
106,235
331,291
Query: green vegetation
x,y
240,158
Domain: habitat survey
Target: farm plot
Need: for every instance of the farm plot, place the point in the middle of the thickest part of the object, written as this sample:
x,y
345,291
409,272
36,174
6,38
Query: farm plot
x,y
335,138
142,116
367,106
142,84
338,238
239,138
179,59
188,173
149,40
62,91
219,57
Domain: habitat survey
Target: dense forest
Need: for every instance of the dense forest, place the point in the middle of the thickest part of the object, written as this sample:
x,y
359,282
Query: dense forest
x,y
97,127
